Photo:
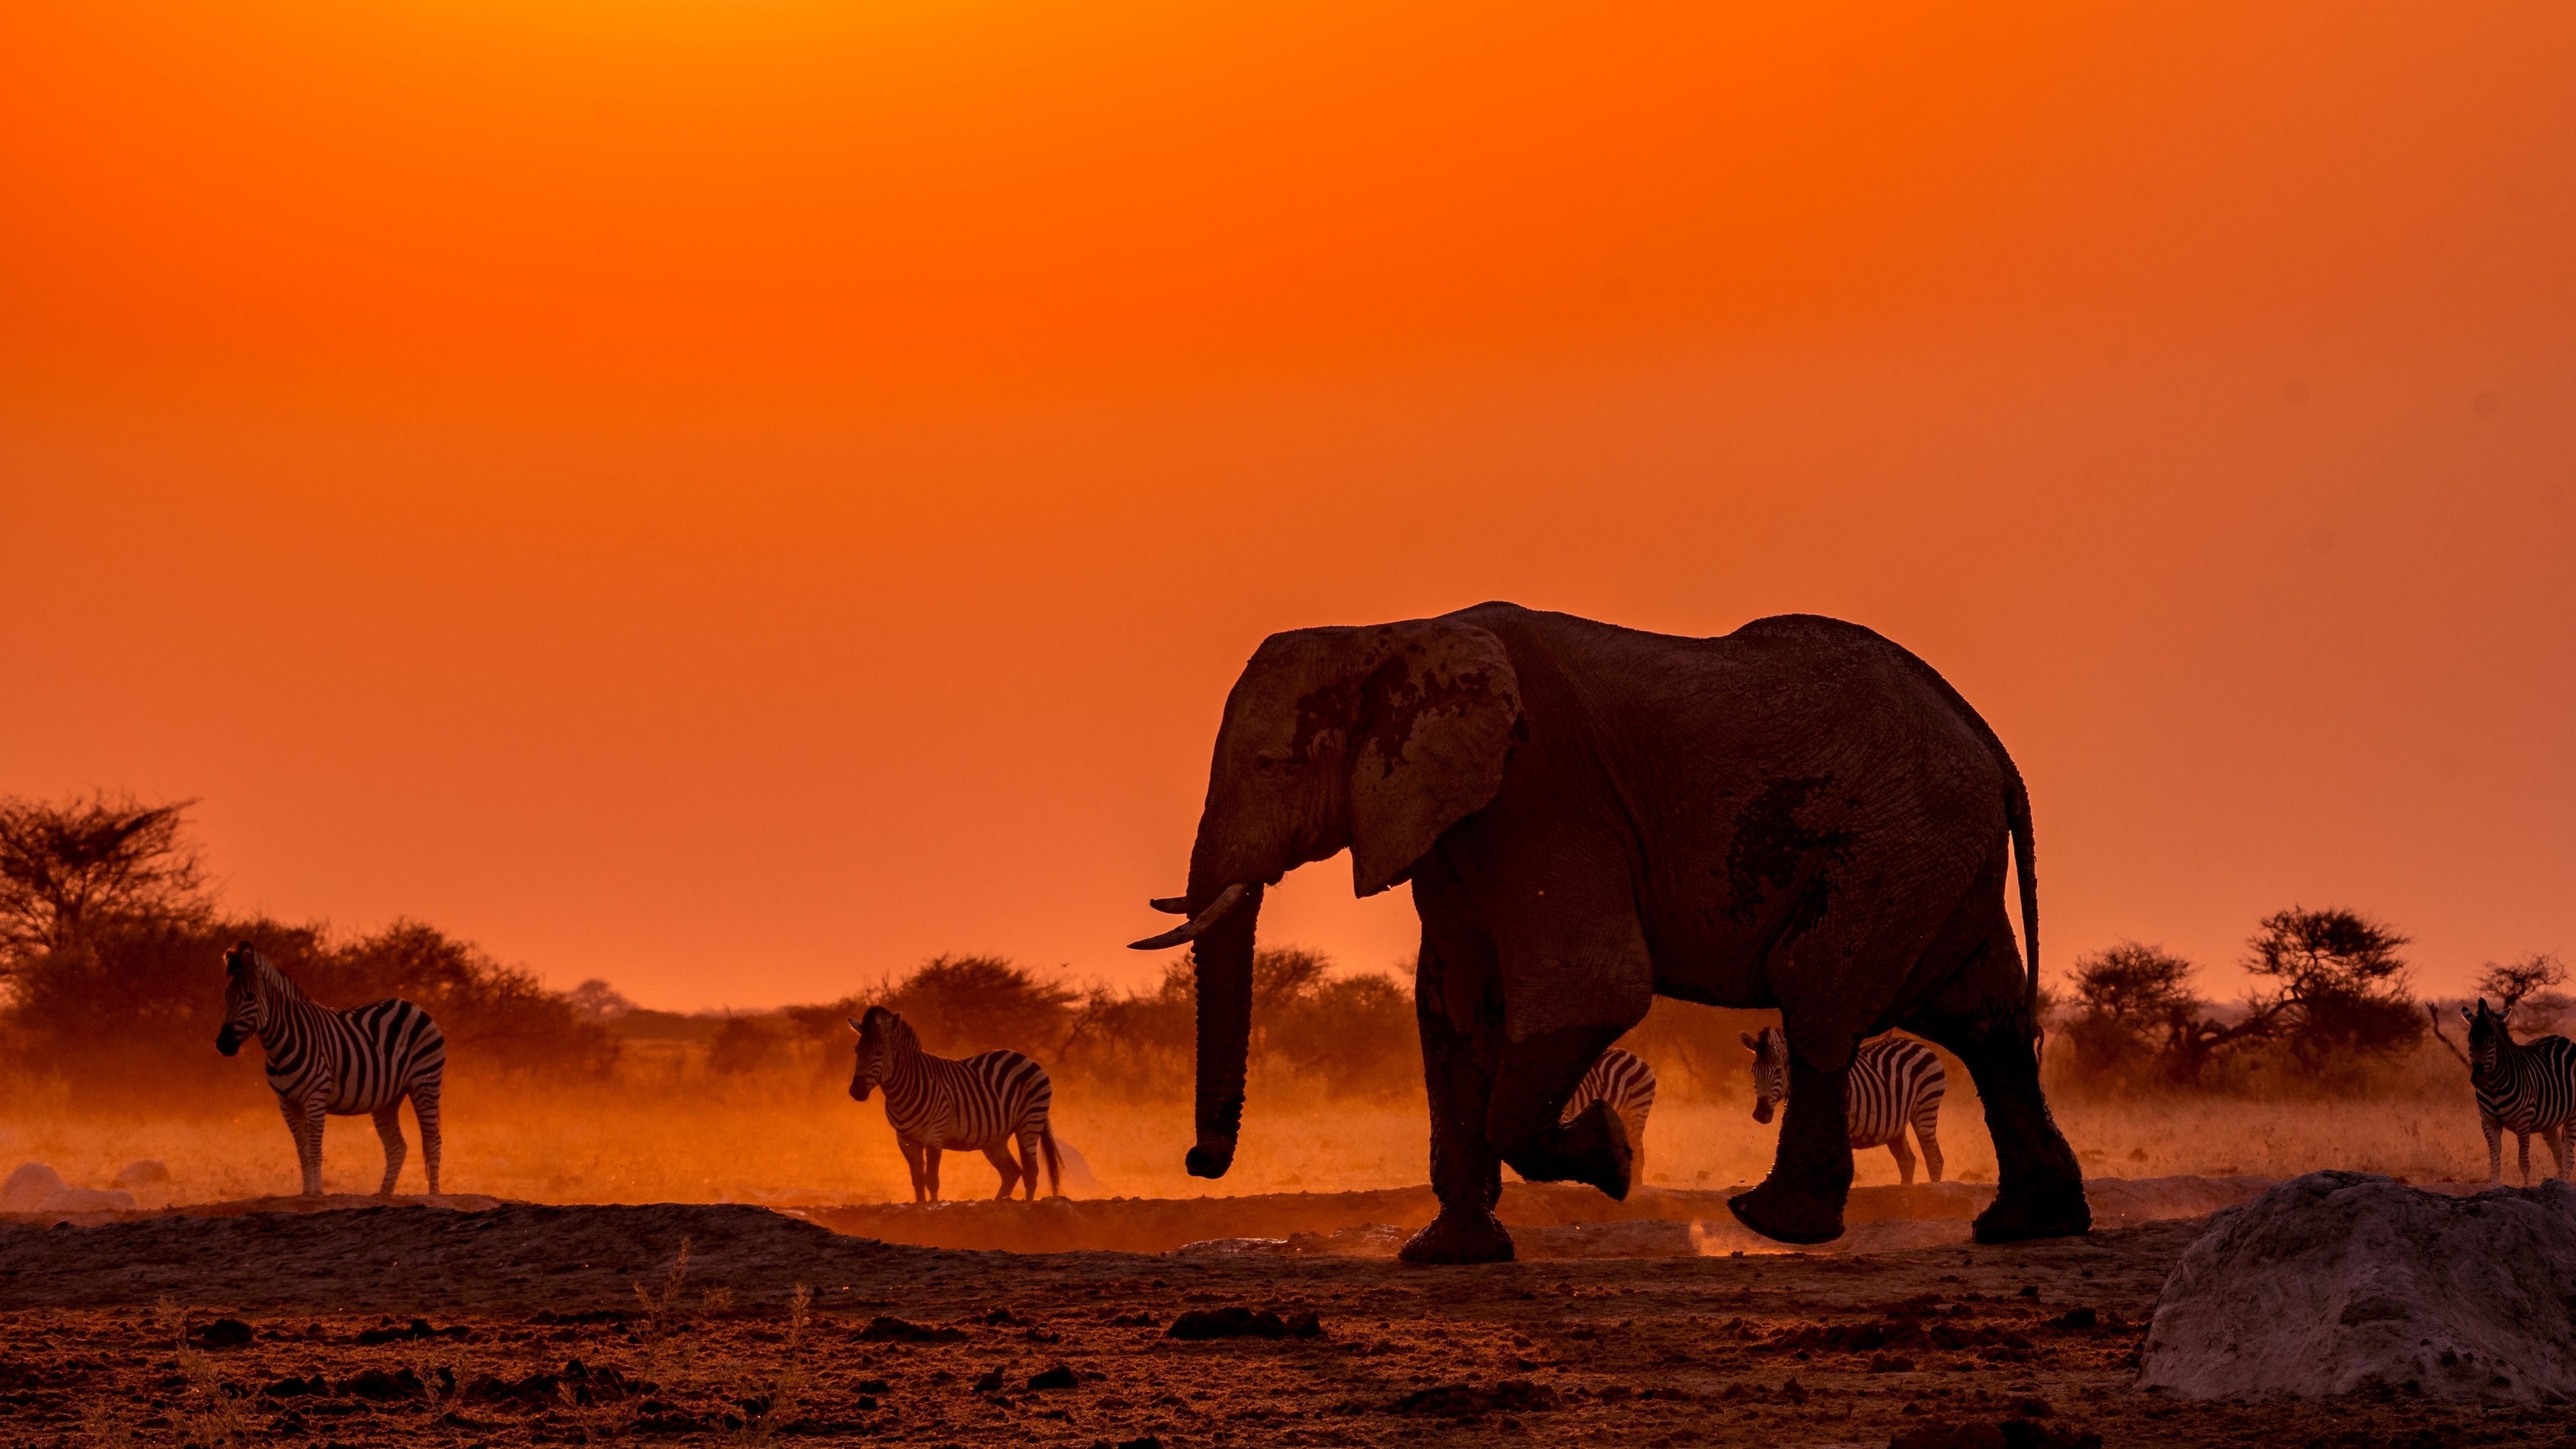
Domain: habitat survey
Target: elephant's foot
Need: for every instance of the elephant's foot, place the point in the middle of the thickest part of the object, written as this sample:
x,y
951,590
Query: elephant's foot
x,y
2050,1210
1593,1149
1786,1215
1458,1236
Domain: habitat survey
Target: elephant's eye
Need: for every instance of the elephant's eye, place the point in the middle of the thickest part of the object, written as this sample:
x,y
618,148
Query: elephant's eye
x,y
1265,764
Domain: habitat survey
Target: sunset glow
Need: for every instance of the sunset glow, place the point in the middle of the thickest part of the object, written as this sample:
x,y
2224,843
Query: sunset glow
x,y
736,498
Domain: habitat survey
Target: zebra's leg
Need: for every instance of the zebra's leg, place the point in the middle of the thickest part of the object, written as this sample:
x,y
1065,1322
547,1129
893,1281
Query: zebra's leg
x,y
930,1168
424,1105
2495,1146
304,1120
912,1159
1029,1160
1636,1149
389,1130
1904,1155
999,1154
2522,1142
2558,1145
1927,1130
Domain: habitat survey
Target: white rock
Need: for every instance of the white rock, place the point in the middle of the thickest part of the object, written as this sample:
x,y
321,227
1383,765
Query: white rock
x,y
143,1173
2339,1281
28,1187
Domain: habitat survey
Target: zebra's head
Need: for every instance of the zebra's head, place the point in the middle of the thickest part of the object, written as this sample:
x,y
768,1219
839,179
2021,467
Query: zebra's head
x,y
880,1032
2488,1037
244,1002
1770,1069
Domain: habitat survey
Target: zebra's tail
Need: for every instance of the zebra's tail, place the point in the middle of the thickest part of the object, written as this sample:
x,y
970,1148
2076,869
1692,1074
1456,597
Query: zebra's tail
x,y
1054,1160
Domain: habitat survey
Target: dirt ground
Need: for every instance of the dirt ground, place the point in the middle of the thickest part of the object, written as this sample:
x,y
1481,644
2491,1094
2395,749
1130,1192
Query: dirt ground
x,y
475,1323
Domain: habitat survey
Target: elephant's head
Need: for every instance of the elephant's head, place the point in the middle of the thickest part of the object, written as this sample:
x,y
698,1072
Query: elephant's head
x,y
1770,1069
1375,739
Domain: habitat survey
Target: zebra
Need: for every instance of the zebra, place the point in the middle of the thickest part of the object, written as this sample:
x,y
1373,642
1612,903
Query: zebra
x,y
981,1103
1894,1081
365,1059
1623,1081
2522,1089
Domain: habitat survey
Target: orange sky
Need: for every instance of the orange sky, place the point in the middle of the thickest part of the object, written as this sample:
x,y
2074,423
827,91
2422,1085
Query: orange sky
x,y
736,497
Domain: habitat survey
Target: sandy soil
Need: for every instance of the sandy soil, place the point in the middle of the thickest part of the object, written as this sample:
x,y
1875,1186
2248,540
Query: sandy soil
x,y
481,1323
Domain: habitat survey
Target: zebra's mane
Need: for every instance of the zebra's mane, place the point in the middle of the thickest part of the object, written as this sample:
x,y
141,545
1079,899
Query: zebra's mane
x,y
269,979
898,1033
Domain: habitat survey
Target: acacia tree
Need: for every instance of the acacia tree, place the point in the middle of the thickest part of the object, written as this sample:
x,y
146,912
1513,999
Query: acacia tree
x,y
2532,984
69,868
2339,981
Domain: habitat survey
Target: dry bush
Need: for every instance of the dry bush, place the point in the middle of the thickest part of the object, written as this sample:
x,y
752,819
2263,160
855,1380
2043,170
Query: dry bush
x,y
127,1019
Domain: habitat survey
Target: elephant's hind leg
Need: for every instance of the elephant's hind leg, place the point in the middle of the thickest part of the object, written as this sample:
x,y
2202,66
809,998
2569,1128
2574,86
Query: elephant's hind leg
x,y
2041,1192
1802,1200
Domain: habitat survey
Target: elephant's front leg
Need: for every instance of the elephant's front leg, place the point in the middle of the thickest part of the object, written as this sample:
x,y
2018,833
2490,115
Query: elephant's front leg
x,y
1802,1200
1465,1174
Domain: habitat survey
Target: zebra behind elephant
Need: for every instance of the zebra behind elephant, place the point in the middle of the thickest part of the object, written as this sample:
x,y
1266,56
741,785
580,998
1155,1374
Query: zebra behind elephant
x,y
1894,1082
981,1103
1624,1081
2522,1088
340,1063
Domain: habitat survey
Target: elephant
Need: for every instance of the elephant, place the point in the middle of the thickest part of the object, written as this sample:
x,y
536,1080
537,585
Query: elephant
x,y
1800,814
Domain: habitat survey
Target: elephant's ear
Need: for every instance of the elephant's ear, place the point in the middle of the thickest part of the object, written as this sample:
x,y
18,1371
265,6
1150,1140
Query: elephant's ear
x,y
1436,712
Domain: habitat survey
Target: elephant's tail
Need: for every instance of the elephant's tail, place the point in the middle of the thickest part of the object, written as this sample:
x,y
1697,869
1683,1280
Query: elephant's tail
x,y
2017,820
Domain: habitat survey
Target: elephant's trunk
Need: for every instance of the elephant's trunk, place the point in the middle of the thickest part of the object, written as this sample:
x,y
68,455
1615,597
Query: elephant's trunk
x,y
1223,955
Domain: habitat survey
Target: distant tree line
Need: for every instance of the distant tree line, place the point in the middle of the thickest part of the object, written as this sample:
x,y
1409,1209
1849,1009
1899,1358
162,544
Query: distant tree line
x,y
1349,1035
2331,996
111,965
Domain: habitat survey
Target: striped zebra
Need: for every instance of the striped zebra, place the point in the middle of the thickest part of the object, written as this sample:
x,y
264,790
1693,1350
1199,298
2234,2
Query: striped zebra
x,y
1624,1081
1894,1081
981,1104
2522,1088
321,1061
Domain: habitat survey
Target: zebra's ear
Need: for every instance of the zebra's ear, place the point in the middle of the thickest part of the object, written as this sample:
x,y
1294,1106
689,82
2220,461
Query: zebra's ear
x,y
854,1026
1750,1044
2468,1016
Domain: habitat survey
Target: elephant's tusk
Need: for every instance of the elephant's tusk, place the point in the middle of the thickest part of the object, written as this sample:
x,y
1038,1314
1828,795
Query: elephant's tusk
x,y
1171,905
1188,930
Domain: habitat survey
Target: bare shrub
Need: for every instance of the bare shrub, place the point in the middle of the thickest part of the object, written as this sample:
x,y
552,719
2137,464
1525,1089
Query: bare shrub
x,y
2129,1002
2528,990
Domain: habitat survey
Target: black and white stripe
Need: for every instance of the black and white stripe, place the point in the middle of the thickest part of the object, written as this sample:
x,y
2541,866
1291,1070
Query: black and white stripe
x,y
1622,1081
2522,1089
982,1103
338,1063
1895,1082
